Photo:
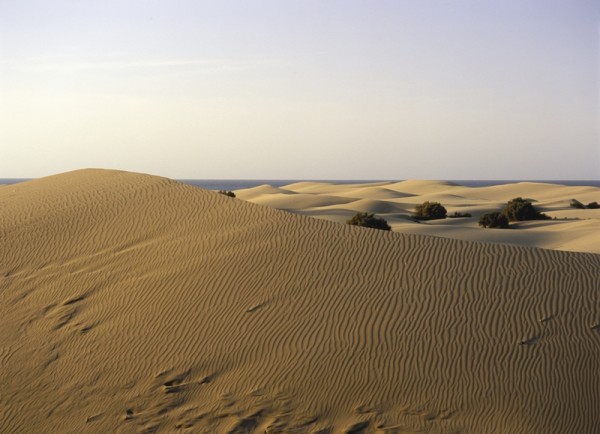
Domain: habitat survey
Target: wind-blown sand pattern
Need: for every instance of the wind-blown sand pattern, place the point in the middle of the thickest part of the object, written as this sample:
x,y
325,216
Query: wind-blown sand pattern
x,y
572,229
133,303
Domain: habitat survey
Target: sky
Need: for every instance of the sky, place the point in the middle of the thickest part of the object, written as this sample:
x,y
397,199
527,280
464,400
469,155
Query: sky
x,y
302,89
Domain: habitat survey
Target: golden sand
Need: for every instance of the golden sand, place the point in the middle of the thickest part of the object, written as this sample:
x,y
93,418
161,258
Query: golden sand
x,y
570,229
133,303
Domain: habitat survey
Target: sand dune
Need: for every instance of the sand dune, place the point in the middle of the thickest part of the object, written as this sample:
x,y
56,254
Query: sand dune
x,y
132,303
376,193
262,190
355,191
328,187
396,202
420,187
294,201
375,206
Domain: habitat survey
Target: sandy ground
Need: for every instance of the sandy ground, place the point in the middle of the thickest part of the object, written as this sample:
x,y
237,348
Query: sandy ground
x,y
132,303
570,229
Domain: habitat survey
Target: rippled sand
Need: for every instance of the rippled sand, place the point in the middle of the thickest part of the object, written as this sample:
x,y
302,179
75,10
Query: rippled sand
x,y
133,303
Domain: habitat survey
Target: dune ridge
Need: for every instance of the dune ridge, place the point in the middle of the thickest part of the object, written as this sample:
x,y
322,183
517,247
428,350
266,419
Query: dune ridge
x,y
133,303
396,201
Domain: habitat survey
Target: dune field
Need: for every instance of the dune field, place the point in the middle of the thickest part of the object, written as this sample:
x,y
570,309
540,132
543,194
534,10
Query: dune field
x,y
132,303
570,229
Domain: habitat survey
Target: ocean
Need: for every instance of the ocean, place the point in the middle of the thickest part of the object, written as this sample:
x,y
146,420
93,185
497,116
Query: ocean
x,y
239,184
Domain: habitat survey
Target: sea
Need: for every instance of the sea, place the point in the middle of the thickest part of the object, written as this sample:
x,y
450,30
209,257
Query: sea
x,y
240,184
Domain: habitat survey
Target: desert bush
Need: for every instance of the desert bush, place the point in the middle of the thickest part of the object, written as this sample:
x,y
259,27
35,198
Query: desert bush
x,y
593,205
430,211
493,220
369,220
459,214
227,193
576,204
519,209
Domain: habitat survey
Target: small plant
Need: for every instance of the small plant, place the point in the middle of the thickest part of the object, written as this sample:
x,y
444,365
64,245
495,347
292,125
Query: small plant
x,y
459,214
430,211
369,220
519,209
576,204
494,220
227,193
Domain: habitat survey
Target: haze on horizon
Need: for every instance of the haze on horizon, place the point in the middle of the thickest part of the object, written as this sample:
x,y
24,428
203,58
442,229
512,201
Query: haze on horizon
x,y
309,89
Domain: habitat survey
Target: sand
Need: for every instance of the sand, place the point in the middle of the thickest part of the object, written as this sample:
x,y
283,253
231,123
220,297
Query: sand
x,y
133,303
570,229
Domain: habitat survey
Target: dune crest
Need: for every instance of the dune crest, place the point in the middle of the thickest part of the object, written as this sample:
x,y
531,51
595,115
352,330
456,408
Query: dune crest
x,y
133,303
396,202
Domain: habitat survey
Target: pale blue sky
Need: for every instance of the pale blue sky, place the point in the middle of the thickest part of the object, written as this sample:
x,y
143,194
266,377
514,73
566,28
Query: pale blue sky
x,y
462,89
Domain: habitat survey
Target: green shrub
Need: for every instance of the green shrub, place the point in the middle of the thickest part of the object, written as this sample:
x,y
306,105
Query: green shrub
x,y
593,205
430,211
494,220
520,209
459,214
369,220
576,204
227,193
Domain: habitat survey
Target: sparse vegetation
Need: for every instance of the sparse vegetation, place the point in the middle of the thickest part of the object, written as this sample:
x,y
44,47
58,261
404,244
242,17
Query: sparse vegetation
x,y
368,220
227,193
519,209
459,215
494,220
430,211
576,204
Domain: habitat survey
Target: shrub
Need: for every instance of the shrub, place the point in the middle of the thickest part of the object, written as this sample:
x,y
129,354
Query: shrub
x,y
576,204
430,211
368,220
459,214
520,209
494,220
227,193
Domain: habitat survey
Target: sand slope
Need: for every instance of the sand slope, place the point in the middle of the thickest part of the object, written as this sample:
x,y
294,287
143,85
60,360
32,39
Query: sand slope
x,y
572,229
132,303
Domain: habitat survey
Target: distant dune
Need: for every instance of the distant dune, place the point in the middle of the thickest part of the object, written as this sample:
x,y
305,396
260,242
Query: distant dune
x,y
133,303
571,229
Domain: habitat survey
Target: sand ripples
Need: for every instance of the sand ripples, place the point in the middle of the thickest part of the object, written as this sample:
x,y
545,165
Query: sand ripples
x,y
134,303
